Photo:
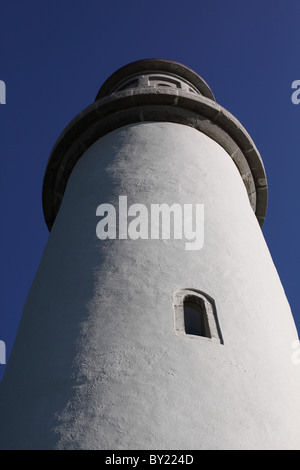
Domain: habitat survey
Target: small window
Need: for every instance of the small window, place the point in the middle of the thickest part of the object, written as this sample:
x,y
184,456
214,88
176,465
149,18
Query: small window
x,y
195,321
195,315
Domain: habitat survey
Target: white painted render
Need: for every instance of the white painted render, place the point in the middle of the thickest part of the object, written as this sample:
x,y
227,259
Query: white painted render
x,y
103,367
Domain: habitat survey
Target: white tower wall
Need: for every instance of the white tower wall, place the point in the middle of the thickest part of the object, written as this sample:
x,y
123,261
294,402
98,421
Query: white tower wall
x,y
104,365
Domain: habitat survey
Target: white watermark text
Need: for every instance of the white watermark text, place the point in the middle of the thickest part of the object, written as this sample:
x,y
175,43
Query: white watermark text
x,y
296,354
2,353
2,92
296,94
160,221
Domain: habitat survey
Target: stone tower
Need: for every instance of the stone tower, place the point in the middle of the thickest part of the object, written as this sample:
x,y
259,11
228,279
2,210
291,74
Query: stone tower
x,y
135,342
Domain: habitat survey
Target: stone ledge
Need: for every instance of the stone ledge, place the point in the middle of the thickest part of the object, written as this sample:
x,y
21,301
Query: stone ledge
x,y
153,104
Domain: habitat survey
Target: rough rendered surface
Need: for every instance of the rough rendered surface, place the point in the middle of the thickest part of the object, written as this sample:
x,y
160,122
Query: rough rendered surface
x,y
104,368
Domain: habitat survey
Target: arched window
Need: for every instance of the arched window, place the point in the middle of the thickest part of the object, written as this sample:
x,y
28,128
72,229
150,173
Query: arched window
x,y
195,321
195,315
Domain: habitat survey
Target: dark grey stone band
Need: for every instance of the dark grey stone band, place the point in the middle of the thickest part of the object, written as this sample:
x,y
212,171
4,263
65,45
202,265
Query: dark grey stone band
x,y
145,66
153,104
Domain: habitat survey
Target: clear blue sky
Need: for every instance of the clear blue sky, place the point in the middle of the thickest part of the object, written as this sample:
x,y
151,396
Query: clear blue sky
x,y
55,55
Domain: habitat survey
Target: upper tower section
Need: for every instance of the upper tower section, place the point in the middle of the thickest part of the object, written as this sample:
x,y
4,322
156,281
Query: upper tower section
x,y
155,73
154,90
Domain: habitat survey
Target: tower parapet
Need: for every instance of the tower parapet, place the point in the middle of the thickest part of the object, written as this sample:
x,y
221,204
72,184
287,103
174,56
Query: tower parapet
x,y
160,91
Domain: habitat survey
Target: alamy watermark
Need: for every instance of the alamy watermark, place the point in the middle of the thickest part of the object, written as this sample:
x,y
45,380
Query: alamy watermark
x,y
2,92
2,353
160,221
296,354
296,94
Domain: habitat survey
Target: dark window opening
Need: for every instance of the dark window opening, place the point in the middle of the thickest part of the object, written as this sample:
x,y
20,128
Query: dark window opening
x,y
195,315
195,319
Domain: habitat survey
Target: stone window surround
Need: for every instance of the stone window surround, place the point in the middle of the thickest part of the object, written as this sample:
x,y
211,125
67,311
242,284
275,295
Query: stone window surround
x,y
207,305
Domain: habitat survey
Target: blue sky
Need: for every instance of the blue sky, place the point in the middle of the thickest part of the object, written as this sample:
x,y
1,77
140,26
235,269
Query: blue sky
x,y
55,55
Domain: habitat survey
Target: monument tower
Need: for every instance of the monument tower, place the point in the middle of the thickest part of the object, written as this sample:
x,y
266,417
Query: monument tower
x,y
129,339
